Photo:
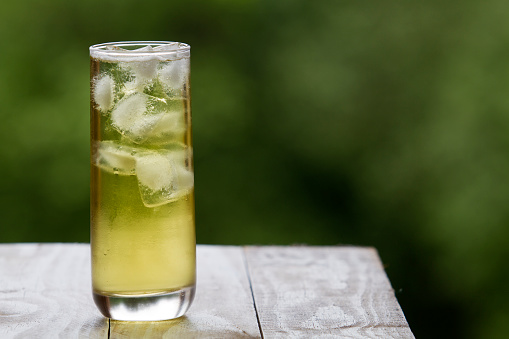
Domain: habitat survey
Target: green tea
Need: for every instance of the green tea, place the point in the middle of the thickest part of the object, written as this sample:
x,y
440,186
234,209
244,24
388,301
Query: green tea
x,y
142,181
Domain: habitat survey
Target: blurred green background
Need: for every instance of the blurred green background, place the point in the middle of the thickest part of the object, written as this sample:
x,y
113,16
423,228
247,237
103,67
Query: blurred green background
x,y
377,123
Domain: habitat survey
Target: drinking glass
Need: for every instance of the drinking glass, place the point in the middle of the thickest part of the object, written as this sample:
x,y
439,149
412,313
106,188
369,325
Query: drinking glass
x,y
142,180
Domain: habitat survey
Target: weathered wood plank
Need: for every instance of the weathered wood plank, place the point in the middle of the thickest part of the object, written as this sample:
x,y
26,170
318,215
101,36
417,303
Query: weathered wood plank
x,y
323,292
223,307
317,292
45,292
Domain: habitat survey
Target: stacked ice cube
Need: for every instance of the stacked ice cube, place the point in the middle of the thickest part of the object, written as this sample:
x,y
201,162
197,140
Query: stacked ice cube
x,y
143,100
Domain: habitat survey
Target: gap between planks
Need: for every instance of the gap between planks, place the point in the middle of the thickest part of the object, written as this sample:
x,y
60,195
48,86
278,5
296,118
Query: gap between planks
x,y
251,288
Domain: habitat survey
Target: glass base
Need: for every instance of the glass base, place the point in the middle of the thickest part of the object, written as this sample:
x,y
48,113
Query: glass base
x,y
145,308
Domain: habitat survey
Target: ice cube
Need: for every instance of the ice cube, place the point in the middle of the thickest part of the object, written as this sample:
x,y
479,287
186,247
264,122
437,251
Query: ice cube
x,y
131,87
104,91
185,179
156,175
147,48
144,70
154,171
162,177
136,115
171,126
147,119
114,48
173,74
167,47
184,175
115,158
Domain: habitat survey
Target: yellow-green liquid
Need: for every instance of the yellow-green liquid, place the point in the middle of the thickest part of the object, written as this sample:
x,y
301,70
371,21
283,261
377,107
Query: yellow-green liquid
x,y
136,249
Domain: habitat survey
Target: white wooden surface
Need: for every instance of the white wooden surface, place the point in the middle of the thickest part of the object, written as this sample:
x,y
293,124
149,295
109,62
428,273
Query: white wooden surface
x,y
243,292
324,292
45,292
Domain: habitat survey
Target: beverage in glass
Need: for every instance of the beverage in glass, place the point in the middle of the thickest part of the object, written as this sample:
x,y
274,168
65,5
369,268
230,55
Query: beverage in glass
x,y
142,180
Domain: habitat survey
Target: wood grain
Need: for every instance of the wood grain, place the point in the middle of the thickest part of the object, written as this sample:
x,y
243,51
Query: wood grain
x,y
223,307
295,292
45,292
323,292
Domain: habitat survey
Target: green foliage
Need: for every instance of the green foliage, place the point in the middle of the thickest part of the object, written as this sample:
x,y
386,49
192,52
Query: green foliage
x,y
372,123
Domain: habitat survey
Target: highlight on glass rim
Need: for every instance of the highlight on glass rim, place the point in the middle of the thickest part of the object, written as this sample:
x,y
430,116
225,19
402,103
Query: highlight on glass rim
x,y
142,180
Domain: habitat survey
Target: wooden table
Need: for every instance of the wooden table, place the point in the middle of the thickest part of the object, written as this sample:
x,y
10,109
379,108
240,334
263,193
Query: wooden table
x,y
242,292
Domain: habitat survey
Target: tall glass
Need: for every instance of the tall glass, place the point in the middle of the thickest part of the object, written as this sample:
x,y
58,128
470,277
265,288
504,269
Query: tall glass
x,y
142,180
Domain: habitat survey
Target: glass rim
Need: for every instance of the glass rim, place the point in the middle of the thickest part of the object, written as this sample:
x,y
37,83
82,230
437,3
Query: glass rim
x,y
100,50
